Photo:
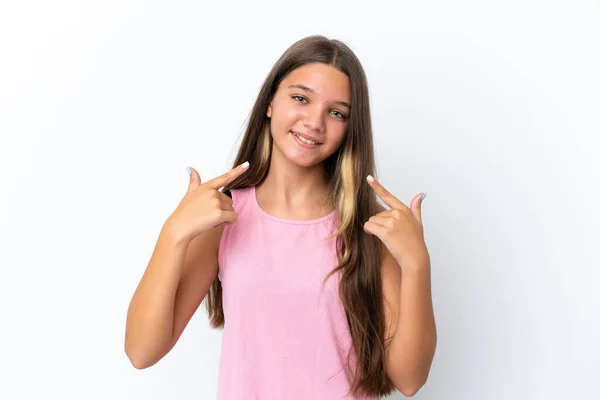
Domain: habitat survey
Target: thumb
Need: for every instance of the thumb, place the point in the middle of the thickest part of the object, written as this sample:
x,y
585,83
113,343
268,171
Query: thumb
x,y
195,180
416,206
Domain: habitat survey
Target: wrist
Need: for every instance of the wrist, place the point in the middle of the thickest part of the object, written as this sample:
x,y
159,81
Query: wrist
x,y
416,268
171,233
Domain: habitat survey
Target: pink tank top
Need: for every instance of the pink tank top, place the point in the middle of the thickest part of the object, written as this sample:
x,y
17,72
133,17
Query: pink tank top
x,y
284,338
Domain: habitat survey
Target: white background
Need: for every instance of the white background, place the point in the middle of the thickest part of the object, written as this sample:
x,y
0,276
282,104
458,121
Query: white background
x,y
492,108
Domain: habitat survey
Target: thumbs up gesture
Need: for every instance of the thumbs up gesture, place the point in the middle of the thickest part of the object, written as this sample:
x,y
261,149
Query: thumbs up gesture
x,y
204,207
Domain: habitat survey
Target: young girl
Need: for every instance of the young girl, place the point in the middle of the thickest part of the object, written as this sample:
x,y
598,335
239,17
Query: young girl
x,y
322,292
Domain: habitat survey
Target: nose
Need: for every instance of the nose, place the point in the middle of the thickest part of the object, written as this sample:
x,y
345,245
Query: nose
x,y
314,120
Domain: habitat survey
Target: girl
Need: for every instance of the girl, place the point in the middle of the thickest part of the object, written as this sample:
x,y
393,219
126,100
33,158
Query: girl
x,y
322,292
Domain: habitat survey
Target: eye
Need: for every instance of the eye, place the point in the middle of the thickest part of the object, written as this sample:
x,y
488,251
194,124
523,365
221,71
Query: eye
x,y
339,114
298,97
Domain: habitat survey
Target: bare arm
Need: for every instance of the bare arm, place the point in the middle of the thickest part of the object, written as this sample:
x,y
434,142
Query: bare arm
x,y
410,323
182,268
174,284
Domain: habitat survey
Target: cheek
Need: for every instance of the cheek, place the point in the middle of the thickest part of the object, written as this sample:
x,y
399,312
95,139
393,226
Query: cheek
x,y
333,143
337,135
285,118
293,114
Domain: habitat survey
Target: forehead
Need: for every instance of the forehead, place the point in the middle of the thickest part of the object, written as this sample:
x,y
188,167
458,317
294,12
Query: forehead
x,y
323,79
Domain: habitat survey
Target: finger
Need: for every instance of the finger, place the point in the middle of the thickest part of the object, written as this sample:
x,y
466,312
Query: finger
x,y
383,194
226,206
382,220
374,229
225,199
228,217
225,179
415,210
195,180
388,213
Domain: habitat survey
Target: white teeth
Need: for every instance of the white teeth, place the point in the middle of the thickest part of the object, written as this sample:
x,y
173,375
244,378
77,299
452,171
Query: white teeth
x,y
304,139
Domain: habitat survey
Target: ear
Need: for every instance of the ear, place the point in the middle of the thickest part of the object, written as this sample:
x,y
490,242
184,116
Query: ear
x,y
269,111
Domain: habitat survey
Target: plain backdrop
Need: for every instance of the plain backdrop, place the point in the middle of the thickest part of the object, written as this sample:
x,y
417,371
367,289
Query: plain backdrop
x,y
492,108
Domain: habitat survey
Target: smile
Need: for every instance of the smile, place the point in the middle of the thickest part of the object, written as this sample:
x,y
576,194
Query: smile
x,y
304,140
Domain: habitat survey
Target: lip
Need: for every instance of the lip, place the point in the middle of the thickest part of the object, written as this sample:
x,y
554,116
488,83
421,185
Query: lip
x,y
307,136
303,144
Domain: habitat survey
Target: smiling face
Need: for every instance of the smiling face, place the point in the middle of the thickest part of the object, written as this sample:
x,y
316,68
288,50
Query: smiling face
x,y
309,114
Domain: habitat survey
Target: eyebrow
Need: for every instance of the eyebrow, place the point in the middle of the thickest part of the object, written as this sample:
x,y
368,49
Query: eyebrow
x,y
306,88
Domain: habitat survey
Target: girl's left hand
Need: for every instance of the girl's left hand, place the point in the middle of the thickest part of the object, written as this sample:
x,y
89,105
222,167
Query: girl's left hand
x,y
400,229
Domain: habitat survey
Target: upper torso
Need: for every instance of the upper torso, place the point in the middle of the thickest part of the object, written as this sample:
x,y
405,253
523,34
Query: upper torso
x,y
284,336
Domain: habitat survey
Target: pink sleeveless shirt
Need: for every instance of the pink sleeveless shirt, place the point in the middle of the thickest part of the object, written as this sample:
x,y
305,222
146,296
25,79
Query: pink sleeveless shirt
x,y
284,338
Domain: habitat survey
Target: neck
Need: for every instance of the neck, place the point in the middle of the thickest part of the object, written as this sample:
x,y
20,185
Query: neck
x,y
289,188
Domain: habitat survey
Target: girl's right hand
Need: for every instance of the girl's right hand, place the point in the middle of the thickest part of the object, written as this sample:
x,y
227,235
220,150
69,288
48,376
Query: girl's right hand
x,y
203,207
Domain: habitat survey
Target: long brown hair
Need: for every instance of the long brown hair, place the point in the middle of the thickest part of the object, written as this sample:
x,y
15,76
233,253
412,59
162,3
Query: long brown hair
x,y
359,254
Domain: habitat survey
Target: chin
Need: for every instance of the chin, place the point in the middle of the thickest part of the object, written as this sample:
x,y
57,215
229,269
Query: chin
x,y
304,161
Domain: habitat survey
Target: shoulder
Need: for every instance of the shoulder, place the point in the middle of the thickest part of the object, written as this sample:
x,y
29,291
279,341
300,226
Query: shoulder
x,y
239,191
239,195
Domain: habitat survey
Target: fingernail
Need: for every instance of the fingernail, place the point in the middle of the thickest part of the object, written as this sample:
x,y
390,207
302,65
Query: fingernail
x,y
245,165
189,171
369,178
423,197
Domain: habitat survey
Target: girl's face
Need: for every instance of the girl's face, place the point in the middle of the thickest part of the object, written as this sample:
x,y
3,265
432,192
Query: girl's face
x,y
309,114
